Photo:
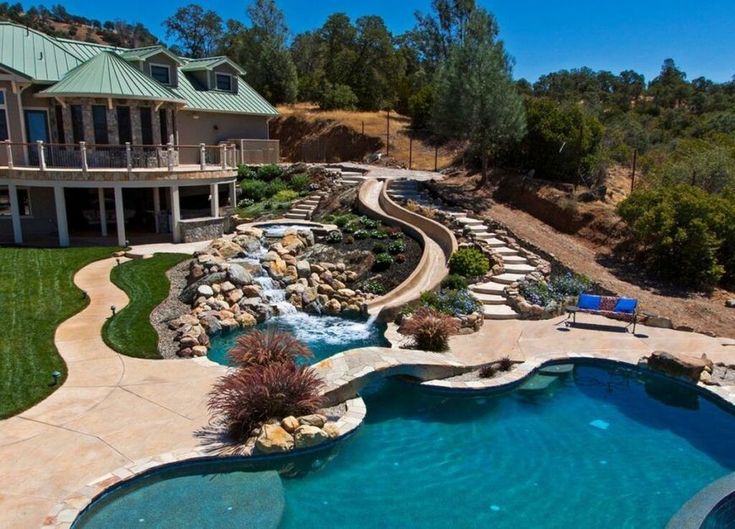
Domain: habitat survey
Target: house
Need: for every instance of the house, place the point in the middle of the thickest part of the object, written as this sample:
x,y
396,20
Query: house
x,y
106,145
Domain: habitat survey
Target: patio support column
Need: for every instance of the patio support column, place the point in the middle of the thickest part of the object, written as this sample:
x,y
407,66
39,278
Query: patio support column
x,y
233,194
103,211
157,208
119,216
15,214
214,199
175,213
61,223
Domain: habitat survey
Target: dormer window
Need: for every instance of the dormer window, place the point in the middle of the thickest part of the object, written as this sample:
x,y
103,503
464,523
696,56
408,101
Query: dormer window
x,y
223,81
161,73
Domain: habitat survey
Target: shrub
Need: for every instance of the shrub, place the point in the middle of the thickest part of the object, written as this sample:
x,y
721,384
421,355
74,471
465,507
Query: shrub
x,y
682,233
452,302
269,172
352,226
374,287
245,203
488,371
430,329
285,196
368,223
555,290
245,398
380,248
258,348
299,182
379,234
245,172
469,262
397,247
361,234
383,261
395,233
505,364
275,186
342,220
254,189
334,237
454,282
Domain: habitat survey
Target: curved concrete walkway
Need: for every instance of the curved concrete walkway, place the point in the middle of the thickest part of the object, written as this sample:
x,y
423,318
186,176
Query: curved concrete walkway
x,y
111,410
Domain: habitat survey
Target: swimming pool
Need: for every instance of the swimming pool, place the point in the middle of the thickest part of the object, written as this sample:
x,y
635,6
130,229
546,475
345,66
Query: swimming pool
x,y
324,335
605,447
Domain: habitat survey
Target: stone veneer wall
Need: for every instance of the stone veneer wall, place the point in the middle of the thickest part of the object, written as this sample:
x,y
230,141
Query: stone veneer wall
x,y
196,230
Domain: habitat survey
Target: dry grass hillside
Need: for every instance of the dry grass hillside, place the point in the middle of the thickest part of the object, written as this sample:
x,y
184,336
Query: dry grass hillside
x,y
374,125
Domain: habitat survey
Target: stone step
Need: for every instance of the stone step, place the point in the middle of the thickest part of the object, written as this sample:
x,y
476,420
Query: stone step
x,y
489,299
513,259
295,216
305,211
467,221
456,213
504,251
493,242
491,287
508,278
499,312
514,268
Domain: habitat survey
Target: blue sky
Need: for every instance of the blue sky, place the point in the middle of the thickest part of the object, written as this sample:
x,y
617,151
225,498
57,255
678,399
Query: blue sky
x,y
542,35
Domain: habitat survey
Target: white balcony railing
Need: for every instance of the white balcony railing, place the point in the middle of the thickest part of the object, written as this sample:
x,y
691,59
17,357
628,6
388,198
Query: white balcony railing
x,y
85,157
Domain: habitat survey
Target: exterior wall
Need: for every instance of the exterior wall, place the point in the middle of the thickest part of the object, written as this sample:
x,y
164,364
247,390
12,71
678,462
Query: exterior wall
x,y
223,68
163,59
213,128
14,123
41,223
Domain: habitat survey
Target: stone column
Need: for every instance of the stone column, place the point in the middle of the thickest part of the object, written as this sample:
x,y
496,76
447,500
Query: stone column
x,y
103,211
157,208
233,194
61,223
120,216
175,213
214,199
15,214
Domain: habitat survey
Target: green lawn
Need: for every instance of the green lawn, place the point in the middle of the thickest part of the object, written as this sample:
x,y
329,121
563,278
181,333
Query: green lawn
x,y
37,293
144,281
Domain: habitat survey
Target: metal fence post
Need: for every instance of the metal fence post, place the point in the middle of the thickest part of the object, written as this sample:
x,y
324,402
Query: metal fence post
x,y
410,152
436,158
83,152
202,156
223,155
170,152
41,155
128,157
9,153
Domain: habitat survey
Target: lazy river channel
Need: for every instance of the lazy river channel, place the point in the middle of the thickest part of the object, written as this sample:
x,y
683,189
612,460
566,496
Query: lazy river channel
x,y
604,446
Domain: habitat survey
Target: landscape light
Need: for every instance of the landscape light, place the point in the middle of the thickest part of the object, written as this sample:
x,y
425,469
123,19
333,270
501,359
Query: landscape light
x,y
113,308
56,376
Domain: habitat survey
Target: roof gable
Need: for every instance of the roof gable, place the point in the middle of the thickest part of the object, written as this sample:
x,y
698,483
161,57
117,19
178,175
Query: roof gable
x,y
209,63
142,54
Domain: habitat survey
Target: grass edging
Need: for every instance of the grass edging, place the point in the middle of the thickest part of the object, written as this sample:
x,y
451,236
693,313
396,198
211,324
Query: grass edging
x,y
130,331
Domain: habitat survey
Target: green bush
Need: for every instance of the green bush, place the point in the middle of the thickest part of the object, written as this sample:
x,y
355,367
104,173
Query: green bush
x,y
383,261
469,262
452,302
361,234
379,234
334,237
556,289
454,282
374,287
380,248
342,220
245,172
299,182
368,223
245,203
275,186
269,172
254,189
397,247
683,234
285,195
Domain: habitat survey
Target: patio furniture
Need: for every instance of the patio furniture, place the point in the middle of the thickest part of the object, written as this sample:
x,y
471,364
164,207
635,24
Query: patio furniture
x,y
625,309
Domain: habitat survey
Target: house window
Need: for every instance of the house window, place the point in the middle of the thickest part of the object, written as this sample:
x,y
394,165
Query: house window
x,y
99,120
224,82
162,115
146,126
124,128
4,133
161,73
24,202
77,123
60,136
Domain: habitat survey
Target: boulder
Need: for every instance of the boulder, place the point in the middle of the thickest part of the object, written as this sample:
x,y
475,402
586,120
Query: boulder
x,y
325,289
333,307
303,268
186,319
273,439
210,323
234,296
248,243
679,365
199,350
292,243
251,291
270,256
229,324
331,429
189,294
307,436
278,268
205,290
226,248
290,423
251,231
730,303
227,286
245,319
314,419
238,275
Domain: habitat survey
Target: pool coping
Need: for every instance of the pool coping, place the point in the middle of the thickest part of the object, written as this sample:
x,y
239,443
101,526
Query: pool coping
x,y
695,511
64,514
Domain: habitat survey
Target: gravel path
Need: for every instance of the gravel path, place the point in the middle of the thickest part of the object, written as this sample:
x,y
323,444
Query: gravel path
x,y
170,309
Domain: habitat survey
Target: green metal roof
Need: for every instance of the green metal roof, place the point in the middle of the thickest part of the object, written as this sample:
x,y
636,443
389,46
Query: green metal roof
x,y
141,54
245,101
34,55
96,70
108,75
207,63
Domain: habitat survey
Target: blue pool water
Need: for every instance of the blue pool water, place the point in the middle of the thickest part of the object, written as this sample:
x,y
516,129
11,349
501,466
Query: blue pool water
x,y
602,448
325,335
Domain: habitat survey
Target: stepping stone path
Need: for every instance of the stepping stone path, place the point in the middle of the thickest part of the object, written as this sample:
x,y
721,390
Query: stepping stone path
x,y
492,293
304,209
